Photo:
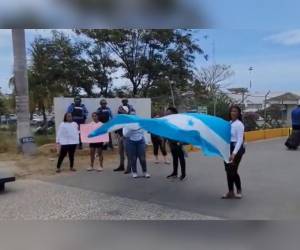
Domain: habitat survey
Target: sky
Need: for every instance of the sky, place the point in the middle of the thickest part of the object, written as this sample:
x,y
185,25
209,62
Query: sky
x,y
274,55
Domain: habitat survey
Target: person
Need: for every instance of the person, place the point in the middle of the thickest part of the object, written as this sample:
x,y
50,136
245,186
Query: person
x,y
104,115
121,144
96,148
177,152
159,143
125,103
79,113
237,151
296,118
67,139
136,149
293,140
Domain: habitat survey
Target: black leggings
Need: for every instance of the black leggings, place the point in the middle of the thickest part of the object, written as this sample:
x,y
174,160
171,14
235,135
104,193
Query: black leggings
x,y
233,177
178,156
159,143
64,150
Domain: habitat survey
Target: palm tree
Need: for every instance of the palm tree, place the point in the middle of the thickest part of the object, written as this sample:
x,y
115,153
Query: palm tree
x,y
24,136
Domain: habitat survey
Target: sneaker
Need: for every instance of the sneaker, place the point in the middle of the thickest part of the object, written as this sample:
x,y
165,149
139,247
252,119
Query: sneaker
x,y
99,169
120,168
228,195
172,176
239,196
167,162
58,170
127,172
73,169
134,175
182,177
156,161
90,169
147,175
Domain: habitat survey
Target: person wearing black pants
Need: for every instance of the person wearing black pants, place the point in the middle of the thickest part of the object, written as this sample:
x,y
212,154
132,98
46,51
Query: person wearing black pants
x,y
159,144
177,153
64,150
237,151
67,139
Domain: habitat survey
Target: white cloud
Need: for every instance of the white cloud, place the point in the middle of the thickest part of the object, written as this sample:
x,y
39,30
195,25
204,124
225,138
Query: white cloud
x,y
287,38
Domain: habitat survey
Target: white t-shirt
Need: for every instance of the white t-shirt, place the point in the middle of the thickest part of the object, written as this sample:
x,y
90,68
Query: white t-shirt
x,y
237,134
67,133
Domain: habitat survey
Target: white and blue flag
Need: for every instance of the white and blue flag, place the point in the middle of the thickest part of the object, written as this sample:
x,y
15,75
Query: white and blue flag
x,y
211,134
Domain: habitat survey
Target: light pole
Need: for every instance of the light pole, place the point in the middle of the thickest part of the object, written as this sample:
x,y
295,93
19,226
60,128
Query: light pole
x,y
265,111
250,71
25,140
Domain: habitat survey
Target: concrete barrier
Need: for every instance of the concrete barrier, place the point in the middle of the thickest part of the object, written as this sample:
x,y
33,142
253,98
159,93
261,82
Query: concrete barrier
x,y
267,134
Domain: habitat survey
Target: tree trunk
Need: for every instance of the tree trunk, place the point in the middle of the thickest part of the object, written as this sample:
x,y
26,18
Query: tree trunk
x,y
24,136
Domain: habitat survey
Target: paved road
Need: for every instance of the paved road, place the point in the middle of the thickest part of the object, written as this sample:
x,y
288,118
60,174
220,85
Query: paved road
x,y
270,176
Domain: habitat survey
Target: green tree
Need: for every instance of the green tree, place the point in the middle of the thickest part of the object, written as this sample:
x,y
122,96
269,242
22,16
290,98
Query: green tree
x,y
145,57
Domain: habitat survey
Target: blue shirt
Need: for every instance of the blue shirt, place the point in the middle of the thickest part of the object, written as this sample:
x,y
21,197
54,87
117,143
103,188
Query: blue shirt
x,y
296,116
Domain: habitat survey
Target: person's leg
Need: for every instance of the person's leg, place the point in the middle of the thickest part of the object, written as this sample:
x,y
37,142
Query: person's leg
x,y
175,162
182,162
141,152
71,152
80,142
230,181
155,149
132,156
121,153
100,154
92,156
110,144
236,177
62,154
164,151
128,168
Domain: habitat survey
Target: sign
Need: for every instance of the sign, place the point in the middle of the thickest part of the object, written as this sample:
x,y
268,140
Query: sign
x,y
202,109
28,139
86,129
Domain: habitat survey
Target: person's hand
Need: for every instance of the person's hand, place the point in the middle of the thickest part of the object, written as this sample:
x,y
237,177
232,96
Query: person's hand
x,y
231,158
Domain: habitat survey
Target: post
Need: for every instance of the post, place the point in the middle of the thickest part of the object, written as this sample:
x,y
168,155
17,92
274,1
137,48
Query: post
x,y
265,111
25,140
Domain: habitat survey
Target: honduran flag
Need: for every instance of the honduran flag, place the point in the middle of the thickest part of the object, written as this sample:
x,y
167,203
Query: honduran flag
x,y
210,133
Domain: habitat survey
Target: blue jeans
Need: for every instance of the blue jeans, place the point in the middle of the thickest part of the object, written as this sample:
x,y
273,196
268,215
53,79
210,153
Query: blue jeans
x,y
136,150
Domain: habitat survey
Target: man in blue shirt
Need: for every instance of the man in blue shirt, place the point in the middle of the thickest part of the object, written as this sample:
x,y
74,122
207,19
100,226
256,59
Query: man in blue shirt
x,y
104,115
296,118
79,113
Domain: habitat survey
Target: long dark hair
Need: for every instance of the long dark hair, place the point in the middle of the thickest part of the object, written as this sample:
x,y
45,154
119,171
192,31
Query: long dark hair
x,y
240,117
65,116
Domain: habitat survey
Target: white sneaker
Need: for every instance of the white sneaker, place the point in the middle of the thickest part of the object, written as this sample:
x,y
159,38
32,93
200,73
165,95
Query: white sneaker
x,y
89,169
146,175
99,169
134,175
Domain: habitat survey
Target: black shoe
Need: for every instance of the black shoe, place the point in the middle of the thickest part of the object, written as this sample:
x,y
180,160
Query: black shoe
x,y
182,177
58,170
172,176
121,168
127,172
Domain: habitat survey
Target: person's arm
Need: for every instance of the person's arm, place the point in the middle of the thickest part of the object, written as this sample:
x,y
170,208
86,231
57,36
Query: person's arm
x,y
70,108
110,114
240,138
85,111
126,132
58,136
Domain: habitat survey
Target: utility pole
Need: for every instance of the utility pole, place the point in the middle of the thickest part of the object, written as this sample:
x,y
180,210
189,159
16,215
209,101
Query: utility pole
x,y
25,141
250,71
265,111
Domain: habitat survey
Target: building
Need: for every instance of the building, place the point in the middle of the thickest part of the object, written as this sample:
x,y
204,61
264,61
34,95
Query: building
x,y
257,101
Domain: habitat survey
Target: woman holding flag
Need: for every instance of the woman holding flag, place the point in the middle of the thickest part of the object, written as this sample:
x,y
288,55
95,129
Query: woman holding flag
x,y
237,151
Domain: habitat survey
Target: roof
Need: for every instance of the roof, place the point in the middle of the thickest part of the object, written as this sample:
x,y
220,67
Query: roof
x,y
285,97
